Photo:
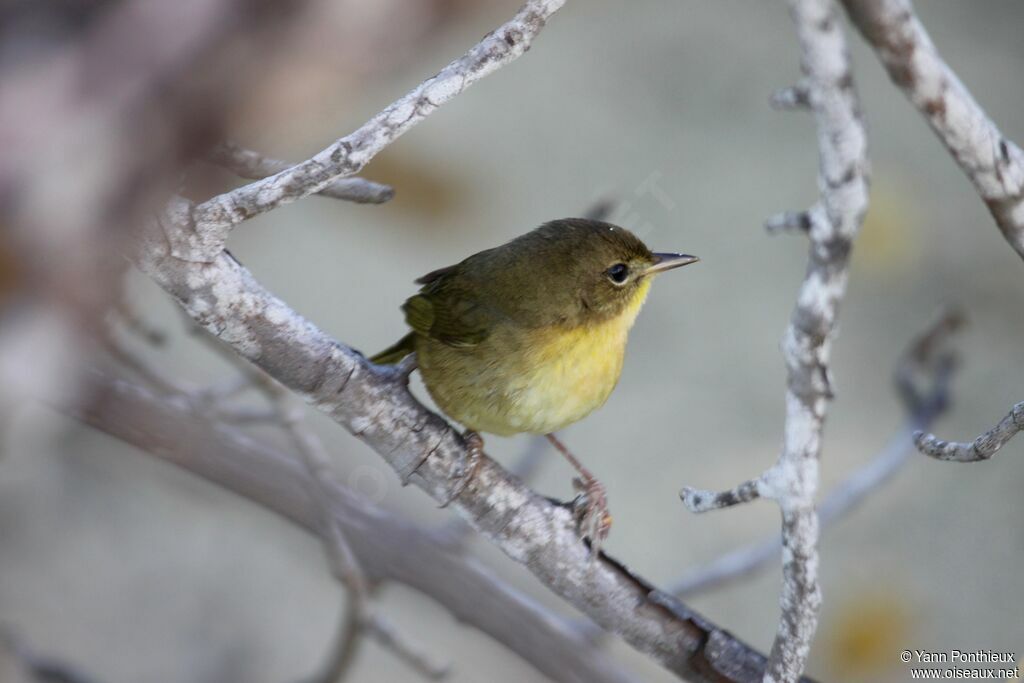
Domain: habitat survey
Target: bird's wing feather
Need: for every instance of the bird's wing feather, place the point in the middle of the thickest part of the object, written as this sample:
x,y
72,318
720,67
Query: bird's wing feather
x,y
448,310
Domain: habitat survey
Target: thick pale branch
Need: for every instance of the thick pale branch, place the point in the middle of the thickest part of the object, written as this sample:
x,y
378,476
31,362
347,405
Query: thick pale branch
x,y
982,448
246,163
994,164
373,403
351,153
183,252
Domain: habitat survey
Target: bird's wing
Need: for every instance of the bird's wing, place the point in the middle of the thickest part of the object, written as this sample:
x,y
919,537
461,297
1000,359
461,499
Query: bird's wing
x,y
448,310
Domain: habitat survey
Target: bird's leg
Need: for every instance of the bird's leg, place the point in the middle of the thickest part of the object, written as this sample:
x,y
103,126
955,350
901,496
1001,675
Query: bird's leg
x,y
474,453
591,507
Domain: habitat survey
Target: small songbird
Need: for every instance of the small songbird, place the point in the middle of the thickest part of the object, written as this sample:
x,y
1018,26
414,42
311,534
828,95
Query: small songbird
x,y
530,336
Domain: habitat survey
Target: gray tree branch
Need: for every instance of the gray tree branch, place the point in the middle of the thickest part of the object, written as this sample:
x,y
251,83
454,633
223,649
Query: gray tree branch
x,y
348,155
982,448
994,164
831,225
245,163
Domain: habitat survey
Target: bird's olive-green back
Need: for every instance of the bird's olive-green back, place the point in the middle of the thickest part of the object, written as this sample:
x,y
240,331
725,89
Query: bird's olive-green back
x,y
554,275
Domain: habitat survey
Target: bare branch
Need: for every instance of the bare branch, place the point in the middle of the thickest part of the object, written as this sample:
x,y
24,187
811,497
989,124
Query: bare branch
x,y
457,531
842,180
923,407
792,98
389,548
832,226
246,163
351,153
994,164
982,448
789,221
701,500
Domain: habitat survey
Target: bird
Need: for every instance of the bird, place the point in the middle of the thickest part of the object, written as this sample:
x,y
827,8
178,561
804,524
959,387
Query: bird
x,y
530,337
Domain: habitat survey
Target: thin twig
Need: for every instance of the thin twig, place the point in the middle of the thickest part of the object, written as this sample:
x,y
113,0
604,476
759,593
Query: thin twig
x,y
993,163
982,448
140,367
245,163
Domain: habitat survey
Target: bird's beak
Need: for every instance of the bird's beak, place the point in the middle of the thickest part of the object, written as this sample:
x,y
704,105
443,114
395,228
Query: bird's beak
x,y
664,262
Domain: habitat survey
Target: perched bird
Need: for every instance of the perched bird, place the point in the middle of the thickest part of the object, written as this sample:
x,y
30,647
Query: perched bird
x,y
530,336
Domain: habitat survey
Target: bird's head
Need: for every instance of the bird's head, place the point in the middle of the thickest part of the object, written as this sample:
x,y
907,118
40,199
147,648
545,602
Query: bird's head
x,y
590,271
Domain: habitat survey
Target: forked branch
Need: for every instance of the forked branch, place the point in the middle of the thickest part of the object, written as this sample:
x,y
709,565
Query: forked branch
x,y
831,225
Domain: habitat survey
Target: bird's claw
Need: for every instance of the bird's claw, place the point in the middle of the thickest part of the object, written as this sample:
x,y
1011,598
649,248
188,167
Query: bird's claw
x,y
465,474
590,507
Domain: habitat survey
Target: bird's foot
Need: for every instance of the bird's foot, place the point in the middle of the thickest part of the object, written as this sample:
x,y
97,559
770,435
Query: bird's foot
x,y
468,468
590,507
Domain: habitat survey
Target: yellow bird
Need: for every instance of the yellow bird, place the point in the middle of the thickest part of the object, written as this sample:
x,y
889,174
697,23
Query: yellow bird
x,y
530,336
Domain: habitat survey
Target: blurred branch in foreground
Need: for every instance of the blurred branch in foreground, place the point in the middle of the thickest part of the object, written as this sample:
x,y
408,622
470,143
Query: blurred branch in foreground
x,y
389,548
361,618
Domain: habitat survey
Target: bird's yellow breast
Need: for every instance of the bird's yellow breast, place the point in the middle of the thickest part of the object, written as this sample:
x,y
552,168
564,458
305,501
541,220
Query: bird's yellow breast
x,y
535,381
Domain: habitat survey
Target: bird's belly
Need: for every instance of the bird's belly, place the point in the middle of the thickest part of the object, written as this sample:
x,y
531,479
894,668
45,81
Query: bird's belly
x,y
574,380
507,387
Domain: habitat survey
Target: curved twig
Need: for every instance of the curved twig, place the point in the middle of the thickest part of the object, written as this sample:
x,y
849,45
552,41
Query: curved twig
x,y
982,448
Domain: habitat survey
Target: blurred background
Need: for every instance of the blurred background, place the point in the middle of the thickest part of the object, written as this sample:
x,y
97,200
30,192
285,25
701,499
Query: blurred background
x,y
134,571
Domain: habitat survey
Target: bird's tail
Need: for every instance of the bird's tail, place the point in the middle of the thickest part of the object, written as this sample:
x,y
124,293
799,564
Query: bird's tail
x,y
397,351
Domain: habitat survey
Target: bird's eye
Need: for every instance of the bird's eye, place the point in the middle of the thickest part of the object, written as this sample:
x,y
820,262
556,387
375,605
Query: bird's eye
x,y
618,273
